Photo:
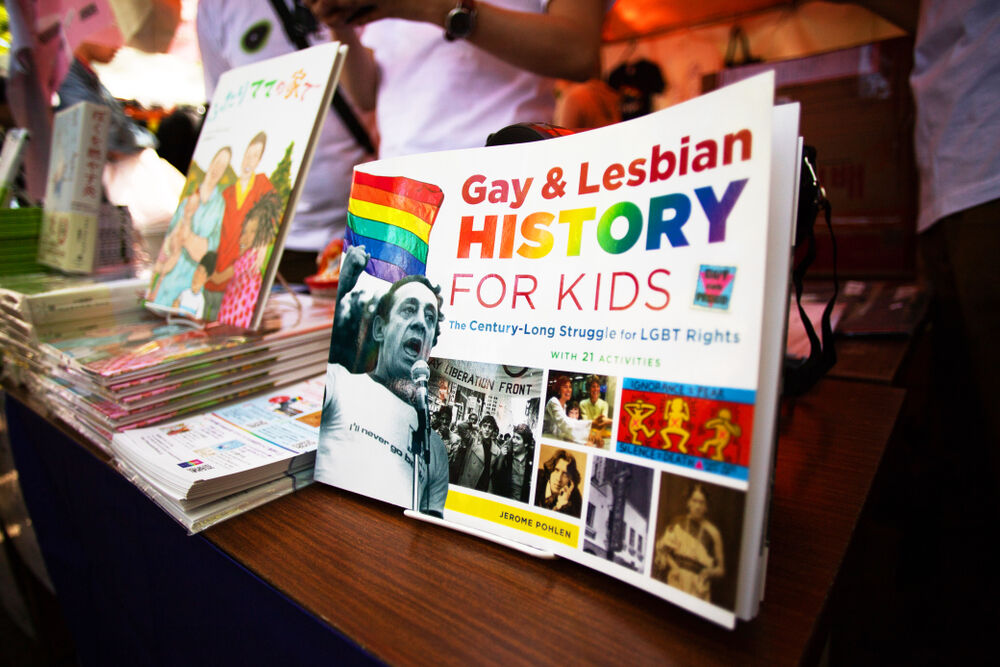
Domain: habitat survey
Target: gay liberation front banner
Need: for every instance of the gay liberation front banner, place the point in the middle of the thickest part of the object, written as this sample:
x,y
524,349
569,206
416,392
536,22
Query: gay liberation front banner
x,y
576,342
222,248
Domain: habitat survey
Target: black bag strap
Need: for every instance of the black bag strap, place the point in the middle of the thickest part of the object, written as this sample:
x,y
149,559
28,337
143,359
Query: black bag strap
x,y
798,378
299,25
738,39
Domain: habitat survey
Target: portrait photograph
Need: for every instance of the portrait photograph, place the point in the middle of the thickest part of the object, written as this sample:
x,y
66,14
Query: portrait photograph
x,y
697,536
559,484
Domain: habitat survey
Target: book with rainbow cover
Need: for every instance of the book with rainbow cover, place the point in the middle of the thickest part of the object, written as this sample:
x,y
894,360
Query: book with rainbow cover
x,y
575,344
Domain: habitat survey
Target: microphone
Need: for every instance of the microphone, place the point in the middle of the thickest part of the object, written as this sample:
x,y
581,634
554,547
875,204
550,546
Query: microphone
x,y
419,373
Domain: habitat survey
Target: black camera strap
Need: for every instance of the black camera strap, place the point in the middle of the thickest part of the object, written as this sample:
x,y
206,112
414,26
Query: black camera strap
x,y
799,377
297,27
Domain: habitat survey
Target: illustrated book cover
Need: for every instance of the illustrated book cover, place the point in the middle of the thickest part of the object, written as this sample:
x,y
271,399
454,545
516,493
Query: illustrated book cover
x,y
576,343
222,248
73,188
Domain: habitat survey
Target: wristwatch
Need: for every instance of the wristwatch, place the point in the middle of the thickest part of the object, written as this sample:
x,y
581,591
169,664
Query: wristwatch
x,y
461,20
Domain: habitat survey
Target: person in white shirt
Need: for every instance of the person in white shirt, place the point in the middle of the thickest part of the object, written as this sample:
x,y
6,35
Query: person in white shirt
x,y
594,406
192,300
232,33
443,75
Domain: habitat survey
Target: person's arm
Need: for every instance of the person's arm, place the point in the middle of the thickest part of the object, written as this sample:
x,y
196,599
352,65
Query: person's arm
x,y
223,276
355,261
562,43
719,569
211,208
498,458
171,262
344,339
360,75
565,494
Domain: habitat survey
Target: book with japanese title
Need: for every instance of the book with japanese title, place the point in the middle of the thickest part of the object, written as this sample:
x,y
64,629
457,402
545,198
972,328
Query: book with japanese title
x,y
221,251
574,345
73,188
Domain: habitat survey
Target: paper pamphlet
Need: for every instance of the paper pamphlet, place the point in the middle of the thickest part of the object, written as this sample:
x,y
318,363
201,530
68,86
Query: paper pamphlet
x,y
202,458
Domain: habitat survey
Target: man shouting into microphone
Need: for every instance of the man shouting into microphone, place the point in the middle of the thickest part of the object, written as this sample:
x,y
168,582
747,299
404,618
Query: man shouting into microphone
x,y
370,427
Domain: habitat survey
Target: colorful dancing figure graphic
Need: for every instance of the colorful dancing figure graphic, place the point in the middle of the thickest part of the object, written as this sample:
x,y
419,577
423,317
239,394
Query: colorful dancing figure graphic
x,y
725,430
677,413
637,411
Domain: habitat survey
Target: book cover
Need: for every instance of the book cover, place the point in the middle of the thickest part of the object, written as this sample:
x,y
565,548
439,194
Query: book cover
x,y
73,187
575,344
221,251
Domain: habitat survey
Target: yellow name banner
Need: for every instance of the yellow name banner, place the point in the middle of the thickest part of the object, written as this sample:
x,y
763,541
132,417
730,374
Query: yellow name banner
x,y
512,517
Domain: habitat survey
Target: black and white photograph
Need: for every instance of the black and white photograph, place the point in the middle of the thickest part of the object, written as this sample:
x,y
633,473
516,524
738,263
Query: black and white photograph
x,y
486,415
618,512
375,410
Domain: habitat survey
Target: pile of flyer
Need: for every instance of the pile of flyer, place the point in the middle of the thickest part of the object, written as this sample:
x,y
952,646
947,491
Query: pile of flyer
x,y
209,466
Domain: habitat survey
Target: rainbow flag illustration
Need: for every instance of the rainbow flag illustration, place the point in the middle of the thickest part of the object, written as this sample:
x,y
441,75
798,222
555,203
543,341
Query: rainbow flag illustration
x,y
391,216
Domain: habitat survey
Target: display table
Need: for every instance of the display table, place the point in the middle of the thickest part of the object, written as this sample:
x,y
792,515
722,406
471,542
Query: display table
x,y
323,575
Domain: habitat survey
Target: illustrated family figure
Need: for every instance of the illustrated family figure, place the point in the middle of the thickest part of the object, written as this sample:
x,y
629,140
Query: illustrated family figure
x,y
211,264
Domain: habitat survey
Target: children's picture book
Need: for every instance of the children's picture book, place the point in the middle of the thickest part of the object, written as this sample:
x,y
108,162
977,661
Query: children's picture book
x,y
73,188
575,344
223,245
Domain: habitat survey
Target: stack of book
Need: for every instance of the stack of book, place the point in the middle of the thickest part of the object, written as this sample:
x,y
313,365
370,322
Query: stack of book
x,y
19,229
136,369
44,305
203,334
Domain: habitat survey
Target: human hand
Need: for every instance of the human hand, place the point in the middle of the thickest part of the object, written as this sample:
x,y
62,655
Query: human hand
x,y
564,494
355,260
